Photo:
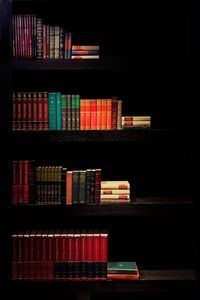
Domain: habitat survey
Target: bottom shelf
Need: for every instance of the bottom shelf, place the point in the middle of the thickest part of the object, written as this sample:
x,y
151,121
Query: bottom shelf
x,y
150,281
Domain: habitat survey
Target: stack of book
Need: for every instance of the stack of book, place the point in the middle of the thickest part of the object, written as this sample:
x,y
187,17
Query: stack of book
x,y
130,122
117,192
123,271
85,52
54,111
67,255
33,39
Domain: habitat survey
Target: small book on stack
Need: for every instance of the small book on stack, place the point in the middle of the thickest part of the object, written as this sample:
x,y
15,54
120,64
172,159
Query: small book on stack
x,y
129,122
85,52
123,271
115,192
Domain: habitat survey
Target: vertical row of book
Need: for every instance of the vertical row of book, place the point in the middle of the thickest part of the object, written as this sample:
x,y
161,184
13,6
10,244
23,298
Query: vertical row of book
x,y
60,255
54,111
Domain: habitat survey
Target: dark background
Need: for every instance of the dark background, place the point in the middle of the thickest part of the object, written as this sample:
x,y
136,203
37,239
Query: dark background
x,y
158,43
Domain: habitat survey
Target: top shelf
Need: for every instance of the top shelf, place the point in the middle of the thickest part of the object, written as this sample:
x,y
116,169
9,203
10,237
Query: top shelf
x,y
68,64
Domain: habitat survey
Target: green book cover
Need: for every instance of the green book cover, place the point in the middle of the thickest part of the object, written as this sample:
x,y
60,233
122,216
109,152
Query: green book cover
x,y
59,111
73,112
122,268
52,111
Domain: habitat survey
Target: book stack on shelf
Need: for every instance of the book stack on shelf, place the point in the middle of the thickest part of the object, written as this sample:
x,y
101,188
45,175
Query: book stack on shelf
x,y
85,52
117,192
123,271
60,255
54,111
132,122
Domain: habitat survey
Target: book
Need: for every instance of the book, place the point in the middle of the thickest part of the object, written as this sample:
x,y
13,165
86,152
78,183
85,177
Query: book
x,y
115,192
122,185
85,47
122,268
85,57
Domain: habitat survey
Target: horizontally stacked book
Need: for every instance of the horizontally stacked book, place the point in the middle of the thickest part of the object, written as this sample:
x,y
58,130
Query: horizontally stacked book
x,y
85,52
56,185
117,192
54,111
60,255
133,122
123,271
33,39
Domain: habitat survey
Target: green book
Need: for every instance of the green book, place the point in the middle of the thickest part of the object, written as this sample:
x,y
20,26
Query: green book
x,y
73,112
52,101
122,268
59,111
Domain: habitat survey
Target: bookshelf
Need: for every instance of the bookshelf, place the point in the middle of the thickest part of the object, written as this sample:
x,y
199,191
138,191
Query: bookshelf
x,y
159,163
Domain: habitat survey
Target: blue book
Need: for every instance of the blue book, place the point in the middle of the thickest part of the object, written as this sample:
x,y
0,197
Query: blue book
x,y
52,111
58,111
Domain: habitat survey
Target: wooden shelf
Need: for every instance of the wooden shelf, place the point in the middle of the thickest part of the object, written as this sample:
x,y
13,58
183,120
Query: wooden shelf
x,y
141,206
135,135
68,64
151,281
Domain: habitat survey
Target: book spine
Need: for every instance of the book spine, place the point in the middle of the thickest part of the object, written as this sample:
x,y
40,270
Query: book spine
x,y
29,112
52,111
69,45
87,115
69,112
57,42
31,182
45,118
92,186
69,188
90,255
64,112
19,111
26,173
14,111
77,112
13,37
39,39
75,187
83,256
82,114
47,41
85,57
86,47
35,111
104,254
109,114
73,112
58,112
88,186
82,187
40,112
97,255
114,114
77,256
24,112
66,45
44,41
93,108
52,42
63,185
104,114
15,185
62,44
119,114
84,52
97,186
98,114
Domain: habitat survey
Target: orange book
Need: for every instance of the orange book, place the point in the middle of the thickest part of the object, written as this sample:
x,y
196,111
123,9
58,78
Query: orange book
x,y
103,114
99,114
87,115
109,114
82,114
69,188
123,276
93,110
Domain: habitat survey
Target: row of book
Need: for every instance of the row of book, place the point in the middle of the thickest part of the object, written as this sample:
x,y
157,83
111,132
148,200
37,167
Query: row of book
x,y
53,111
67,255
46,185
54,184
33,39
131,122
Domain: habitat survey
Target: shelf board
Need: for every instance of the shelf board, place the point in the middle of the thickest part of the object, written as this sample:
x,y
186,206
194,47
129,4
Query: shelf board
x,y
151,281
68,64
141,206
135,135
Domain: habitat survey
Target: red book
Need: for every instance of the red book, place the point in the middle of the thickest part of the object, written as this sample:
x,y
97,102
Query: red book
x,y
90,254
93,109
103,114
77,256
104,255
87,115
30,37
15,186
56,245
98,114
45,117
83,256
40,112
14,111
29,112
35,111
70,257
119,114
14,247
97,255
26,173
24,110
82,114
109,114
20,174
69,188
19,111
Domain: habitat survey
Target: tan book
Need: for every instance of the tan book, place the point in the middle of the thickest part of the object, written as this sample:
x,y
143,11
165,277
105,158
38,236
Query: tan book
x,y
115,192
117,197
122,185
114,201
